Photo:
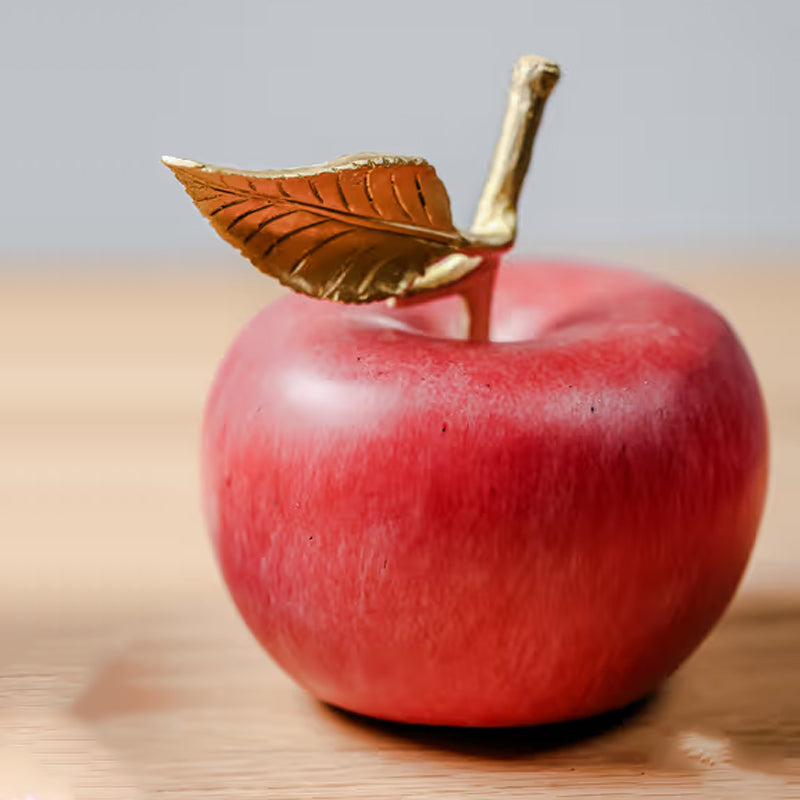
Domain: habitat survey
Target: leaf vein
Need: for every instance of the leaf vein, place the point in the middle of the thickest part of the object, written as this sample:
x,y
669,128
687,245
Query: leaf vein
x,y
372,272
398,198
315,249
289,234
370,196
227,205
315,191
263,224
246,214
341,193
421,196
333,285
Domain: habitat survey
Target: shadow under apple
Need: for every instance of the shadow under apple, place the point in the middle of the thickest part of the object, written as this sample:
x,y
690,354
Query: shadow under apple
x,y
735,703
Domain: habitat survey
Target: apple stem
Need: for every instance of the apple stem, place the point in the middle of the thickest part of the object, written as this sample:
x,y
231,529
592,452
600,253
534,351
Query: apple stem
x,y
496,217
477,293
471,274
532,81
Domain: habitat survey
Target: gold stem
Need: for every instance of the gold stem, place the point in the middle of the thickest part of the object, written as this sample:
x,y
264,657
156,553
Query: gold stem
x,y
531,83
471,274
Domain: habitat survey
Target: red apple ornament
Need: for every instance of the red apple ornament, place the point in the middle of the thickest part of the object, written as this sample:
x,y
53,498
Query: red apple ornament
x,y
534,523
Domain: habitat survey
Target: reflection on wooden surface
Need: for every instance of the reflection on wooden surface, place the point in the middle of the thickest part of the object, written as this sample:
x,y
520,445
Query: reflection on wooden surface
x,y
125,672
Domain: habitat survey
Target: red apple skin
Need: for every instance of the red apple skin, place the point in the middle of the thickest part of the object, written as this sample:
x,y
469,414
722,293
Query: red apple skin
x,y
436,531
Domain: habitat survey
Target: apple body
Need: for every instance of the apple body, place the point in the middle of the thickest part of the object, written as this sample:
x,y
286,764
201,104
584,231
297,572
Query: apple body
x,y
532,529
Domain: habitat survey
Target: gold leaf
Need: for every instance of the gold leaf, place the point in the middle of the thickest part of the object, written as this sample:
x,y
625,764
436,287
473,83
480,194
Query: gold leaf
x,y
357,229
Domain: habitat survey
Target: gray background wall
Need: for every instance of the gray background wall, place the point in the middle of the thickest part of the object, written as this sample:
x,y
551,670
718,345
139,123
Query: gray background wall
x,y
675,122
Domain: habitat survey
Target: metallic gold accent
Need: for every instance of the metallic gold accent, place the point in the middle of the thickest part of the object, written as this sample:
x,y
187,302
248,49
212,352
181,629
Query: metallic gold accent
x,y
532,81
356,229
495,225
372,226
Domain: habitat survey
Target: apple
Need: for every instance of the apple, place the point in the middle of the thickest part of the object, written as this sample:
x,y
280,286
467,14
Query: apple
x,y
525,509
538,526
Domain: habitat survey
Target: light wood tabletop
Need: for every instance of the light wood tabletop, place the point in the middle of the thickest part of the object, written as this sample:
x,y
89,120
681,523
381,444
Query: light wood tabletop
x,y
125,672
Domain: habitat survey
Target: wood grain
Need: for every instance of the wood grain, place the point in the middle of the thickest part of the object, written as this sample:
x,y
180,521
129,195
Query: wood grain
x,y
124,672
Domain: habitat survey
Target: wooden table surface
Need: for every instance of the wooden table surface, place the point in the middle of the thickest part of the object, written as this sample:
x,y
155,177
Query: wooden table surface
x,y
125,672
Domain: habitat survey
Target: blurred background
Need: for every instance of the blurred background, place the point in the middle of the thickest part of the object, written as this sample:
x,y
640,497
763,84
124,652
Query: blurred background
x,y
675,125
670,144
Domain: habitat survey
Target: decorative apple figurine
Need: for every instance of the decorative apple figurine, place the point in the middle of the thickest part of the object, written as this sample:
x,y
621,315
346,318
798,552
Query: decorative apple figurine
x,y
534,522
